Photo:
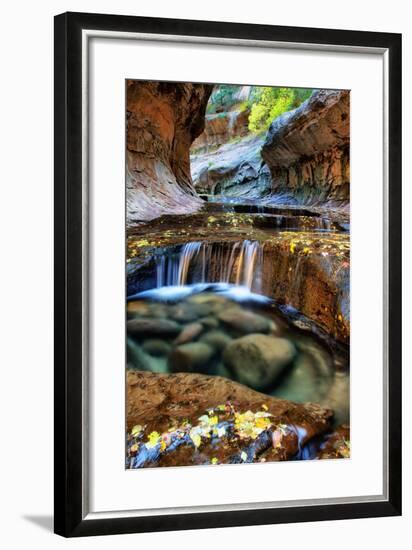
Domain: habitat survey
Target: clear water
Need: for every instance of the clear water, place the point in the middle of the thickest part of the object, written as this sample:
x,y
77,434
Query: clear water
x,y
201,309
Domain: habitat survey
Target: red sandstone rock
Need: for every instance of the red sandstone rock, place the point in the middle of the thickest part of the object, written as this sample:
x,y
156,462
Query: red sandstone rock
x,y
158,403
221,128
163,119
337,444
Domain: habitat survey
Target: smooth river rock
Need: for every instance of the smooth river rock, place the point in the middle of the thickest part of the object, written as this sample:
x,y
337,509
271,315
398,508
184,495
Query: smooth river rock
x,y
244,321
190,357
148,326
156,348
209,322
258,359
190,332
217,339
136,357
183,313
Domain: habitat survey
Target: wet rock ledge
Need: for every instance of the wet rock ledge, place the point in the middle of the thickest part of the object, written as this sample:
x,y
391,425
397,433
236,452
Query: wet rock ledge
x,y
191,419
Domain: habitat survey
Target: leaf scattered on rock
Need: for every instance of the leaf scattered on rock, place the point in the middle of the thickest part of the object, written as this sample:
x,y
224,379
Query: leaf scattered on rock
x,y
153,440
222,423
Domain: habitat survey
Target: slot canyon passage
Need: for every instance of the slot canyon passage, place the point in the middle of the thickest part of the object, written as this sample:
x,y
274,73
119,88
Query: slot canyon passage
x,y
238,266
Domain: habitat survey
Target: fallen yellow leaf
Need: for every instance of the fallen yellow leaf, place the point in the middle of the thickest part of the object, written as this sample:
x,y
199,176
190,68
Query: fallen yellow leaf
x,y
153,440
196,439
136,430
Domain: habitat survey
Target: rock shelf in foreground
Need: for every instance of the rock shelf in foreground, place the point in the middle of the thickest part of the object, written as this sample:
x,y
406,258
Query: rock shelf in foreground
x,y
193,419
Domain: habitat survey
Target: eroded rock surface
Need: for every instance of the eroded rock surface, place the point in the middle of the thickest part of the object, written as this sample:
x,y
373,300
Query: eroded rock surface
x,y
337,444
163,119
307,150
225,158
235,169
310,273
188,419
221,128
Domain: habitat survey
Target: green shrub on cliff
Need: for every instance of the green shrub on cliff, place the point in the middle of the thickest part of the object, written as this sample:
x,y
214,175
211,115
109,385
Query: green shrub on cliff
x,y
267,103
222,97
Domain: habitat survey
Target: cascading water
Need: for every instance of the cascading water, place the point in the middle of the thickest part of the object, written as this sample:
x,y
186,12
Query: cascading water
x,y
190,251
249,263
203,262
232,119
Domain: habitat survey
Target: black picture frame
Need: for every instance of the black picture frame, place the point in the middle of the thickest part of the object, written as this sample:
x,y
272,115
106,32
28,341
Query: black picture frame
x,y
69,520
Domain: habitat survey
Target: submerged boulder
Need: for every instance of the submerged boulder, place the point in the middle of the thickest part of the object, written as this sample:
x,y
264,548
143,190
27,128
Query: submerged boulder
x,y
137,357
244,321
257,359
152,326
190,357
209,322
189,333
217,339
156,347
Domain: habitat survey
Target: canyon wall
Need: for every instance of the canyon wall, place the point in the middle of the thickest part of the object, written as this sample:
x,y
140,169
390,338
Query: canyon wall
x,y
226,158
307,150
234,169
221,128
163,119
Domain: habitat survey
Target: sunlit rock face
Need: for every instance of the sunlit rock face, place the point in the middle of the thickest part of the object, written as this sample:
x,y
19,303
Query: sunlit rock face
x,y
225,158
307,150
221,128
163,119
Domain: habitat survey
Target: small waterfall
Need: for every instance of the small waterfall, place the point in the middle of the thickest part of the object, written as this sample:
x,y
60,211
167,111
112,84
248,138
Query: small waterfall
x,y
190,250
296,282
249,263
167,271
160,270
232,119
203,262
229,264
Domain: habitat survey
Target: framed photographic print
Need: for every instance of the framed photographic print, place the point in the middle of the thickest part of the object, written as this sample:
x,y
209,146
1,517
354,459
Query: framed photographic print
x,y
227,274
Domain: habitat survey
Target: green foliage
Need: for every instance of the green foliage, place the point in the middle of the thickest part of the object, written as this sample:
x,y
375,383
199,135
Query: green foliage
x,y
267,103
243,106
221,98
